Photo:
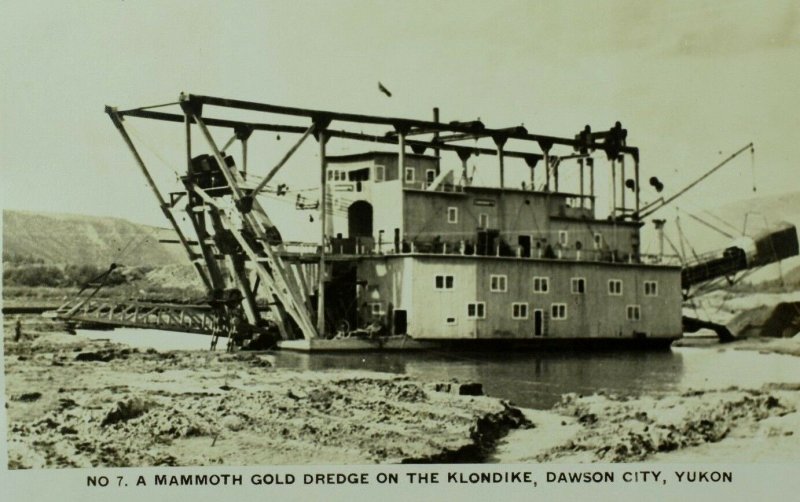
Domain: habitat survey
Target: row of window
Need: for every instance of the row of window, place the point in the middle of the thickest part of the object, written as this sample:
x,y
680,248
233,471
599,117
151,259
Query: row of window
x,y
558,311
477,310
443,282
519,311
483,222
350,175
409,174
498,283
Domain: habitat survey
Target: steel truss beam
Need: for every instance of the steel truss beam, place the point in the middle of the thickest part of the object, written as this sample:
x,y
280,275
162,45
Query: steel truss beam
x,y
116,118
288,289
416,145
467,130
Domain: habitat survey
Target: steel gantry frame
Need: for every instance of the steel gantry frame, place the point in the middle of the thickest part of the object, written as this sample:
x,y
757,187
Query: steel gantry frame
x,y
242,231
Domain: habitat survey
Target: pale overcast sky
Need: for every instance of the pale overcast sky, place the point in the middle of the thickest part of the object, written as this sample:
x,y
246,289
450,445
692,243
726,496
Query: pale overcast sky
x,y
688,79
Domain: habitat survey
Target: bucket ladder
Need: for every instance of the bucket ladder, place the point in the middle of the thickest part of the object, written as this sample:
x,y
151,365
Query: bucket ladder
x,y
239,248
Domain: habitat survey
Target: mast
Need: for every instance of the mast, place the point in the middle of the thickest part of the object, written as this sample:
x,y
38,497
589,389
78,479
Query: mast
x,y
322,138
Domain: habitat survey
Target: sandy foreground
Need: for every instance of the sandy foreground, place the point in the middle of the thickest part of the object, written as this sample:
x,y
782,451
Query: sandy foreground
x,y
73,402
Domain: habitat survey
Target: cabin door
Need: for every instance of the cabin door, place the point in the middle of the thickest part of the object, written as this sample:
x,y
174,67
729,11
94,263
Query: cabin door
x,y
524,242
538,322
359,219
400,322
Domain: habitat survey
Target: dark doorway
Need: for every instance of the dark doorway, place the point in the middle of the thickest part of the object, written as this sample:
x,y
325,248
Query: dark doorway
x,y
487,241
400,322
359,219
341,307
524,242
538,322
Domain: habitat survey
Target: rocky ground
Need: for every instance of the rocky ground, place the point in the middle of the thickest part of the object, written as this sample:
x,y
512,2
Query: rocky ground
x,y
722,425
731,425
72,402
75,402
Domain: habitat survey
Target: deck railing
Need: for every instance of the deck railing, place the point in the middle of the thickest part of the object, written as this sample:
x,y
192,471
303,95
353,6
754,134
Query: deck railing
x,y
368,247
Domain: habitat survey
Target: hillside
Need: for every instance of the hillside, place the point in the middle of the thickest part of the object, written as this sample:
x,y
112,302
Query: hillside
x,y
89,240
747,217
84,240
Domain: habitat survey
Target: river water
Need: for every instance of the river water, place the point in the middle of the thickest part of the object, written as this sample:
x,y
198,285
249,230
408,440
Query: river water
x,y
532,380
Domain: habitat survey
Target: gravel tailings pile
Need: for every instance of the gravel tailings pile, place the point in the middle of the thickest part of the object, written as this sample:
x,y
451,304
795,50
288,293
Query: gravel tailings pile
x,y
599,428
74,403
628,432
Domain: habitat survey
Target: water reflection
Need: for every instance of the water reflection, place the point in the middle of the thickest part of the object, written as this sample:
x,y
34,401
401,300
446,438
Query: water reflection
x,y
529,380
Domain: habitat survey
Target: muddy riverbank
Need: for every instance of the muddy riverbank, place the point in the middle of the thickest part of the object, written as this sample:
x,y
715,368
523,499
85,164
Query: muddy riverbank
x,y
730,425
72,402
75,402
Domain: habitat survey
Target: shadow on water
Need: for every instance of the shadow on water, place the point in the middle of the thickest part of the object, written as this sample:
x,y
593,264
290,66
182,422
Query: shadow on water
x,y
529,379
526,379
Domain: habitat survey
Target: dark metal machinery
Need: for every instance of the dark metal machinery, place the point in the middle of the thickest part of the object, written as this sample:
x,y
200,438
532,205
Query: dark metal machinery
x,y
236,248
239,254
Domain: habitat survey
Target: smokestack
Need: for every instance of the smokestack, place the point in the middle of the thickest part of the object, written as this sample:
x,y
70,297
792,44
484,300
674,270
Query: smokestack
x,y
660,230
436,140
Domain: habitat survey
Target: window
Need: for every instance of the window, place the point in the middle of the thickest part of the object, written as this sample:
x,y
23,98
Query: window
x,y
330,175
541,284
614,287
558,311
376,308
633,312
452,215
519,310
358,174
380,173
650,288
483,220
450,321
563,237
498,283
443,282
578,285
476,310
598,240
430,175
409,174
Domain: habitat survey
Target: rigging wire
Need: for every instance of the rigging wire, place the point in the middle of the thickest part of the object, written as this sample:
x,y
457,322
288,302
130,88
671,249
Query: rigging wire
x,y
729,225
707,212
143,239
680,237
675,250
140,138
708,225
150,107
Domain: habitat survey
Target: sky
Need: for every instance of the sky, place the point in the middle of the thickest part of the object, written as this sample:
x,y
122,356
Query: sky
x,y
692,81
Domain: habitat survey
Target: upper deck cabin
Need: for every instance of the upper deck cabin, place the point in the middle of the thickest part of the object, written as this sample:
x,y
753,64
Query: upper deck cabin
x,y
375,207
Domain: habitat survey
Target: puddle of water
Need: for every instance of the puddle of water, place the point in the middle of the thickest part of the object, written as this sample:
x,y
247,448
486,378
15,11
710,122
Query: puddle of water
x,y
154,338
529,379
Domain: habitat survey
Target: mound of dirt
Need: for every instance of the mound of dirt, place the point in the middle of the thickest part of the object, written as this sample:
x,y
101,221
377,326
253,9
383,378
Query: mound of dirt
x,y
123,407
613,430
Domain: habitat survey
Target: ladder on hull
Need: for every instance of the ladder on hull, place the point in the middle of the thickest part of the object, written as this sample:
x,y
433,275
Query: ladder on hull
x,y
245,239
236,246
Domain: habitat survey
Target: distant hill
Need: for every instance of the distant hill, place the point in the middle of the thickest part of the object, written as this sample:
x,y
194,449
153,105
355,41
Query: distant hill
x,y
750,216
760,211
89,240
84,240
